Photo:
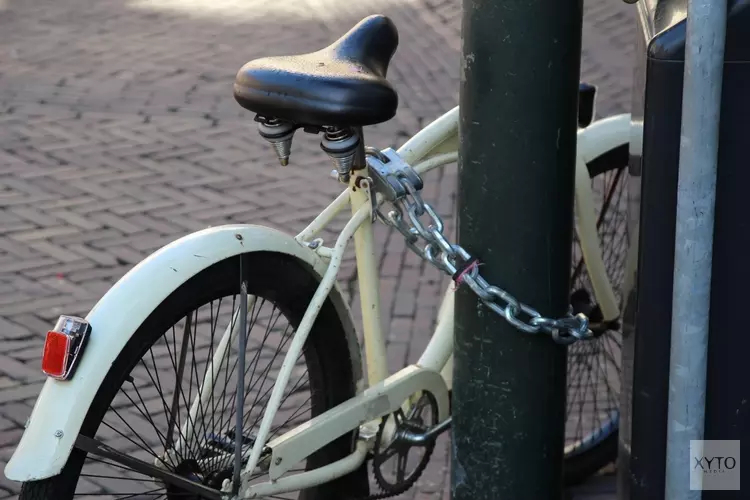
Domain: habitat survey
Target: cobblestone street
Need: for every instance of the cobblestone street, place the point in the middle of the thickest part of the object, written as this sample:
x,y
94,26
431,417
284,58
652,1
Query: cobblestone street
x,y
119,134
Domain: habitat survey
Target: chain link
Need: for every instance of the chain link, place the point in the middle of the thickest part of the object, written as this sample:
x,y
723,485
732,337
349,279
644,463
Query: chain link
x,y
455,261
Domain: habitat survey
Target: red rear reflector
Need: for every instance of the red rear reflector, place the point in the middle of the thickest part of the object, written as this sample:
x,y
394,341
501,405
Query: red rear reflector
x,y
63,347
56,353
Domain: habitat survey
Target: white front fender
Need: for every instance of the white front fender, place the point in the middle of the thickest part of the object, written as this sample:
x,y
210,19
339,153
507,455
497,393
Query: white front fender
x,y
595,140
604,135
61,406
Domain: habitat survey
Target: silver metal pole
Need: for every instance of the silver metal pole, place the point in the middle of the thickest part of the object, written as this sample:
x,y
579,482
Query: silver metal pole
x,y
696,193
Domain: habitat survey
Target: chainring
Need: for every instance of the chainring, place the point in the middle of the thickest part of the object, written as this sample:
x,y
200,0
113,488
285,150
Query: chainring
x,y
398,447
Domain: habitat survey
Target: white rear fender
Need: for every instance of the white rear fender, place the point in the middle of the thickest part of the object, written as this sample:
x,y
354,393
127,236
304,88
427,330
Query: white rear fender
x,y
61,406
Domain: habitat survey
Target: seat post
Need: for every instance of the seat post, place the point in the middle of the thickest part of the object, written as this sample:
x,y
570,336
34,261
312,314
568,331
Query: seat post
x,y
360,159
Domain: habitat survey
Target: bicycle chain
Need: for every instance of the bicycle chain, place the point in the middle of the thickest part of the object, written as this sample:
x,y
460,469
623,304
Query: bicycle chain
x,y
456,262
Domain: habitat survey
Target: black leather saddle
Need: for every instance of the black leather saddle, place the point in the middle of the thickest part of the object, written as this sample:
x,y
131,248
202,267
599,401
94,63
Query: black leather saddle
x,y
343,84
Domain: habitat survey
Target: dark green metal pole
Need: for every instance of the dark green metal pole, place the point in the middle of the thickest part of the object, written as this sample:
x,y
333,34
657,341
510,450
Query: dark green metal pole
x,y
519,84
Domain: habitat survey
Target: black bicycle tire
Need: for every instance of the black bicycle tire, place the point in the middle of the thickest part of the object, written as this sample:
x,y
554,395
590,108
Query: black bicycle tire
x,y
290,281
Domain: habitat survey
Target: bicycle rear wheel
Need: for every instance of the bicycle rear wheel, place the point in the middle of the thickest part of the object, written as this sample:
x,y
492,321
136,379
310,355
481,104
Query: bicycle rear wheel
x,y
142,407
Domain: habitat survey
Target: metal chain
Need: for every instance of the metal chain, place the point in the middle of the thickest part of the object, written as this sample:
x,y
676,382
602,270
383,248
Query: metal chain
x,y
456,262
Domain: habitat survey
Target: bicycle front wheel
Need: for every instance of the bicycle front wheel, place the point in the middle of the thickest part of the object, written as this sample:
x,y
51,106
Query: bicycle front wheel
x,y
143,406
594,366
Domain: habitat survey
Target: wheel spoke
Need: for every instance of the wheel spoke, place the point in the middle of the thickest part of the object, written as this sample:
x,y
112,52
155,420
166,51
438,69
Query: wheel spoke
x,y
161,394
120,478
126,495
178,381
145,446
147,416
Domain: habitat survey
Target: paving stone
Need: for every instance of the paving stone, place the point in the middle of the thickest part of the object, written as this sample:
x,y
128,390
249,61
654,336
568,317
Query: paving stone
x,y
18,370
11,330
21,392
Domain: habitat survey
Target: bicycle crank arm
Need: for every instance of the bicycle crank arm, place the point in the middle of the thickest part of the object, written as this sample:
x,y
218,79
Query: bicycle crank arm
x,y
94,447
418,439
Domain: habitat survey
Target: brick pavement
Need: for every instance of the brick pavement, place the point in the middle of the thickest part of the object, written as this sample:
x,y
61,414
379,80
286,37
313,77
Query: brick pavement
x,y
118,134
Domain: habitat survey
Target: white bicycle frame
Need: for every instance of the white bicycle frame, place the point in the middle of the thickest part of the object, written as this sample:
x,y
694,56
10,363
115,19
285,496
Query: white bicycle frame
x,y
432,147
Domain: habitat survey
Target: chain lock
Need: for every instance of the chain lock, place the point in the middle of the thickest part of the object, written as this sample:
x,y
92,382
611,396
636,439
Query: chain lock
x,y
395,180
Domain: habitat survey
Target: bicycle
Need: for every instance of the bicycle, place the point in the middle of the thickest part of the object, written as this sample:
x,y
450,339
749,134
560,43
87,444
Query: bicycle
x,y
115,359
